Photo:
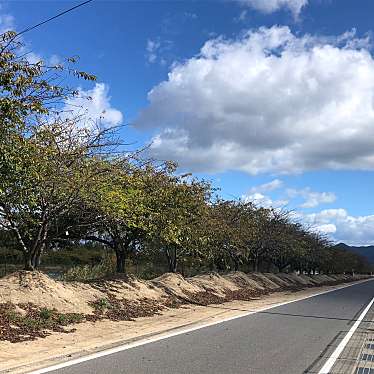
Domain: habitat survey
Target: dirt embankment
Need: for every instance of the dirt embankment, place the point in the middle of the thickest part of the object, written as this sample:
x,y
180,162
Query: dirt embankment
x,y
33,305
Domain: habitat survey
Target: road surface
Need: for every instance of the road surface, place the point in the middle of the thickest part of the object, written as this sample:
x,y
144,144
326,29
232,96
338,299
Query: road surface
x,y
290,339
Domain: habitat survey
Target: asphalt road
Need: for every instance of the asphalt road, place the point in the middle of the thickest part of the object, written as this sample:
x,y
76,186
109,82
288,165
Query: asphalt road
x,y
288,339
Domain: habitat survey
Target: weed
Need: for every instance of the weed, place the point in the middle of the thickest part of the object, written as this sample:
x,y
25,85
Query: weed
x,y
33,322
84,273
46,313
69,318
102,304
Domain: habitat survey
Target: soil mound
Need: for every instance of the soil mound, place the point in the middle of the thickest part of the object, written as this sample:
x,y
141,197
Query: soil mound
x,y
244,280
176,285
214,283
25,287
42,291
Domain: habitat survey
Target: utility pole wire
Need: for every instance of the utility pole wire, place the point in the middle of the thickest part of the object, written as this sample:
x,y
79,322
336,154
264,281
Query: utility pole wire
x,y
52,18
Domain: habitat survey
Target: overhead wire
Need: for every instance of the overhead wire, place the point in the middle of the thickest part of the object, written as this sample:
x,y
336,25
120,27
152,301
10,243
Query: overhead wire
x,y
52,18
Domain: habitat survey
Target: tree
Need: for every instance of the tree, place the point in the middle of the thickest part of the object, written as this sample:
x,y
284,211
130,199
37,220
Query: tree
x,y
227,226
118,209
285,238
57,165
178,206
43,153
259,239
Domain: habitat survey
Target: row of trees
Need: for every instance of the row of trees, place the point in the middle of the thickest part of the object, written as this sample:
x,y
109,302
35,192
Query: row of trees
x,y
66,179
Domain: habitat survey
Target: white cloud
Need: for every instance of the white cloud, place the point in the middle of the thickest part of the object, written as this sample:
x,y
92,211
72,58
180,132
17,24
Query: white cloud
x,y
190,15
269,101
265,201
312,198
270,6
336,223
328,228
353,230
32,57
54,60
95,105
242,16
266,187
6,23
151,48
157,49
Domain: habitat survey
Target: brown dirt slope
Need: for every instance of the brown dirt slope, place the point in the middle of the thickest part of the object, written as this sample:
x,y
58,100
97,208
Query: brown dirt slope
x,y
32,304
75,297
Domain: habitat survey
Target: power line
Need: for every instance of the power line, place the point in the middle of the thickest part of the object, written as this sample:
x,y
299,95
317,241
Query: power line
x,y
52,18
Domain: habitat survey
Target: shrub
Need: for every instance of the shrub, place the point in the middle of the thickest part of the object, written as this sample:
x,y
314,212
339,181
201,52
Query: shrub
x,y
46,313
105,268
102,304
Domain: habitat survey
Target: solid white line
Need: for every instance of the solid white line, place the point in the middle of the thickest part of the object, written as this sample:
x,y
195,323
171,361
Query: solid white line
x,y
180,331
339,349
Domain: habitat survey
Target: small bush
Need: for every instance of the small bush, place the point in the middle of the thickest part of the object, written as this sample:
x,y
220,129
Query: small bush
x,y
149,272
46,313
105,268
69,318
102,304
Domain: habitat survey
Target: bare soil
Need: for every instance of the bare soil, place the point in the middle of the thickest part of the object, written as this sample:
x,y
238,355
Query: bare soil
x,y
32,305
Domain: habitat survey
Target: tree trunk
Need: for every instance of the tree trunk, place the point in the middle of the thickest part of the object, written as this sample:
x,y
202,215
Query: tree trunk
x,y
183,272
281,266
220,264
37,258
236,265
39,244
27,262
175,263
269,265
171,265
168,259
171,256
255,264
120,263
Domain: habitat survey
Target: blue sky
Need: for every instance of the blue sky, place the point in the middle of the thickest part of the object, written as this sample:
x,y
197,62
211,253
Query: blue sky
x,y
269,99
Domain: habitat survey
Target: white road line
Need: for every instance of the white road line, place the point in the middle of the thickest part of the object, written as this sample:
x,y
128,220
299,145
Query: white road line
x,y
180,331
339,349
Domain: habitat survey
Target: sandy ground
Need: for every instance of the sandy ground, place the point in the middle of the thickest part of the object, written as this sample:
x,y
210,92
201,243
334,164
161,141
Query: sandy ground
x,y
90,337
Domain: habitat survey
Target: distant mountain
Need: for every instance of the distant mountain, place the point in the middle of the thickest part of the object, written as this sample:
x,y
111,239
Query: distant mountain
x,y
365,251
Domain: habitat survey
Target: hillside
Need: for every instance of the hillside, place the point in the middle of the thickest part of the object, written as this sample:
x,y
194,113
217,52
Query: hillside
x,y
365,251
